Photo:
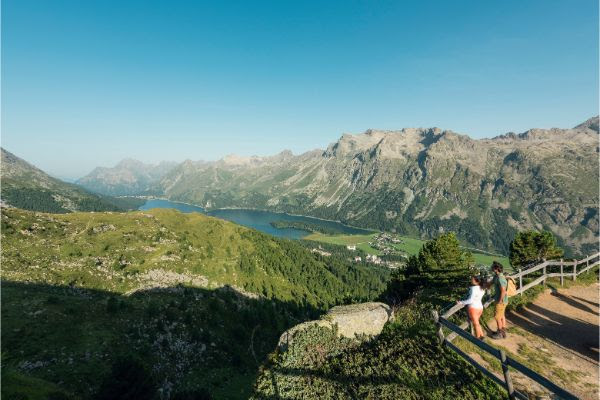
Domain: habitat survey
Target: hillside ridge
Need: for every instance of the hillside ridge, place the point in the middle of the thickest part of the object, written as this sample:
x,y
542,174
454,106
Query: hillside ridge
x,y
28,187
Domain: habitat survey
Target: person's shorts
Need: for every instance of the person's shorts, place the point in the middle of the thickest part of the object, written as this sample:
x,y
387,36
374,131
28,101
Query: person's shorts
x,y
499,311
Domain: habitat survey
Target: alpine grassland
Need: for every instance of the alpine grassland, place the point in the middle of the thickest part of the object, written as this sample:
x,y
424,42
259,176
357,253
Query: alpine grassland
x,y
197,302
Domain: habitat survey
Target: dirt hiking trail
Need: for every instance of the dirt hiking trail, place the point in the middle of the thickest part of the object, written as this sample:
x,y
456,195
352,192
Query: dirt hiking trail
x,y
557,336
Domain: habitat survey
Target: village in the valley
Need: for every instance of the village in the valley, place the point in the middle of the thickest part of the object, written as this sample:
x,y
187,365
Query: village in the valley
x,y
384,243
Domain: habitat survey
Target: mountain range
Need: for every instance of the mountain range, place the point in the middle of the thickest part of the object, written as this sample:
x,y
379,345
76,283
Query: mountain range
x,y
417,181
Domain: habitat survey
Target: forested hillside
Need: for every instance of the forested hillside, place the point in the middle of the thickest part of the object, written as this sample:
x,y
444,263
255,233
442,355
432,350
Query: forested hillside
x,y
194,303
27,187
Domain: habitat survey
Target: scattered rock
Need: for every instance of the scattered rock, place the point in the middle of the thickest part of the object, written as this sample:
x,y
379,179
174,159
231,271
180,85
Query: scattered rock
x,y
353,321
103,228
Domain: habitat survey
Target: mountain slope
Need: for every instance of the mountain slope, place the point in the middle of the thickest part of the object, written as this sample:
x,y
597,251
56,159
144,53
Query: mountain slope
x,y
192,302
129,252
27,187
420,182
126,178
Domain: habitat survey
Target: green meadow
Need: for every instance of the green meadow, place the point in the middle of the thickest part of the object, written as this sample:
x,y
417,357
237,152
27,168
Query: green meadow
x,y
410,246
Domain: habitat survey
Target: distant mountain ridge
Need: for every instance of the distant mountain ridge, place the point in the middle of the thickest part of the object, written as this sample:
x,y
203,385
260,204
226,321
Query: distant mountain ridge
x,y
419,181
28,187
128,177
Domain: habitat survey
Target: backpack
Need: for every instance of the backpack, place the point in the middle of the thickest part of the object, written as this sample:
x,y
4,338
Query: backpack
x,y
511,287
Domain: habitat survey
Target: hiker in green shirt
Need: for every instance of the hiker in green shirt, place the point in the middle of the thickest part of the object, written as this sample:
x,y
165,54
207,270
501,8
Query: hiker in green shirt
x,y
500,299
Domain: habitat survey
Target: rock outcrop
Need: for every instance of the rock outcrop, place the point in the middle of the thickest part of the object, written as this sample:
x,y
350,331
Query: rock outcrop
x,y
352,321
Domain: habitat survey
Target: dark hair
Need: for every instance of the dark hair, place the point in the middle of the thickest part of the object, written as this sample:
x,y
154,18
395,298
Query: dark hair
x,y
478,279
496,266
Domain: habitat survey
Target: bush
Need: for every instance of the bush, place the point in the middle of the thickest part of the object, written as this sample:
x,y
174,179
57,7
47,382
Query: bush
x,y
404,362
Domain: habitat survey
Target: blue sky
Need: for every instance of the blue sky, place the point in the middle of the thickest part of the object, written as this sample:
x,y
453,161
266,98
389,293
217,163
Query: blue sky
x,y
87,83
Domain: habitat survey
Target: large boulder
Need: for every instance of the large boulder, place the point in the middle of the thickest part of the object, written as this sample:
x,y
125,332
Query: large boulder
x,y
354,321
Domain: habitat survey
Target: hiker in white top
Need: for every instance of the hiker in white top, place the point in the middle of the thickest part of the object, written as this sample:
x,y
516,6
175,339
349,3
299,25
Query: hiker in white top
x,y
474,304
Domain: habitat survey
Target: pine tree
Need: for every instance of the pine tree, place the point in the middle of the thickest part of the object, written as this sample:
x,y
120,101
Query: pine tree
x,y
533,246
441,263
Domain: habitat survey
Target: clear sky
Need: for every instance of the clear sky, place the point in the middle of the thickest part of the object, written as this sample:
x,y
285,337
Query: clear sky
x,y
87,83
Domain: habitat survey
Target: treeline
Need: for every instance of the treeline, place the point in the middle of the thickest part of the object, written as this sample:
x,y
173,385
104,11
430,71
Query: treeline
x,y
32,200
46,201
306,226
124,203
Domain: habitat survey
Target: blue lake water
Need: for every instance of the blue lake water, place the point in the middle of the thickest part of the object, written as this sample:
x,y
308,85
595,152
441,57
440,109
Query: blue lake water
x,y
259,220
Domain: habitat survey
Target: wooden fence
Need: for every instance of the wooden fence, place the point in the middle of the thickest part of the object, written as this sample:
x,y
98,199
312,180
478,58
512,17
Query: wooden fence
x,y
566,269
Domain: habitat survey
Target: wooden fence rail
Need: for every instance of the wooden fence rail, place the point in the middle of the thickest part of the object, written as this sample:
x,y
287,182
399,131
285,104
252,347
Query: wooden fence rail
x,y
568,269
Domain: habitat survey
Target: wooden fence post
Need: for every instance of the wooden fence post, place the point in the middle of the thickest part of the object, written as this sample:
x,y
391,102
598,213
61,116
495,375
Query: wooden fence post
x,y
544,271
587,263
574,270
507,379
561,272
440,332
520,282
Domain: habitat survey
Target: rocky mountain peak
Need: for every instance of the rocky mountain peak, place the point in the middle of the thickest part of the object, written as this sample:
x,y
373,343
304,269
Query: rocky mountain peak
x,y
14,166
130,163
591,123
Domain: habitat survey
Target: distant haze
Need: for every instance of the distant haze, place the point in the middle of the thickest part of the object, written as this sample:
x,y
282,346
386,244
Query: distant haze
x,y
87,84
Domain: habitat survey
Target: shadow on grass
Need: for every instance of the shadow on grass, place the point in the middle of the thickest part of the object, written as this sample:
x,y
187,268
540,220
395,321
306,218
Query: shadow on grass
x,y
193,338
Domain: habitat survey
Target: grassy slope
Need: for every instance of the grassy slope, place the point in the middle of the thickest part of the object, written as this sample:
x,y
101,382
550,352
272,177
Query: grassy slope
x,y
118,252
408,245
79,289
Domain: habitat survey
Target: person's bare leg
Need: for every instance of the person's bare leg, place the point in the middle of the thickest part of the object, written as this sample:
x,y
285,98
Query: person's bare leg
x,y
474,315
479,329
479,324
